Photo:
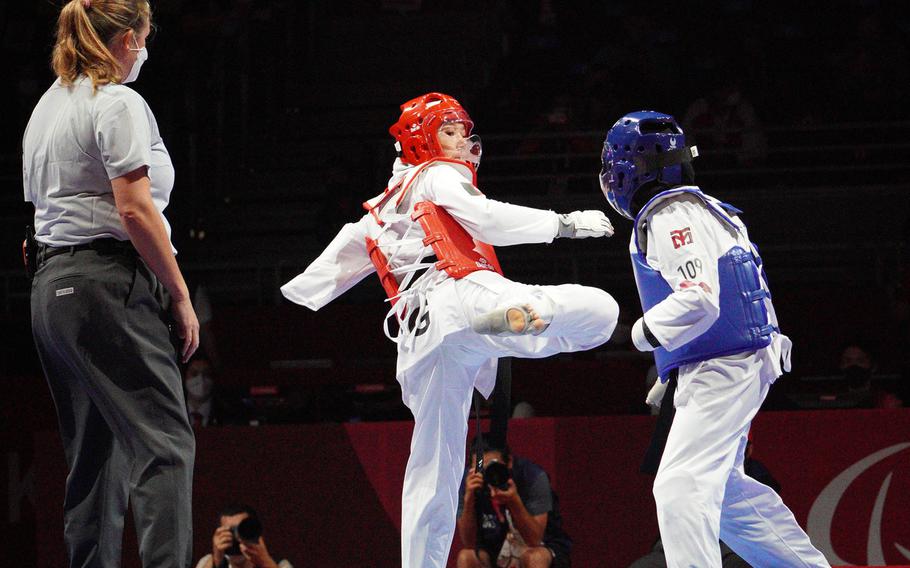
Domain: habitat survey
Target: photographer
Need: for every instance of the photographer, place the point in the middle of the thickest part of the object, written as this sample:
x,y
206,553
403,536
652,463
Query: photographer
x,y
509,515
238,542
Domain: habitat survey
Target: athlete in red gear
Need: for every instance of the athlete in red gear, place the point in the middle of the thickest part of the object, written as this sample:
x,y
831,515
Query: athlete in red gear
x,y
455,320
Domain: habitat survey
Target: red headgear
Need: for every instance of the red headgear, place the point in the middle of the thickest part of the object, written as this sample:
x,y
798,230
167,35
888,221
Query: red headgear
x,y
420,118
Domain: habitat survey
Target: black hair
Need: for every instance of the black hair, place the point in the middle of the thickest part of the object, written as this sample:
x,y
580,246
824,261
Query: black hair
x,y
861,343
489,445
199,356
237,508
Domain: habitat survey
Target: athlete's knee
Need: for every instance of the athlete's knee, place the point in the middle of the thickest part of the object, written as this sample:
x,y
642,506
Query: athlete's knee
x,y
470,558
603,309
676,491
536,557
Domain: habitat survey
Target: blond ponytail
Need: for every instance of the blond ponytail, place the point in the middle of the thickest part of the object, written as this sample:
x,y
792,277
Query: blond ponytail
x,y
84,32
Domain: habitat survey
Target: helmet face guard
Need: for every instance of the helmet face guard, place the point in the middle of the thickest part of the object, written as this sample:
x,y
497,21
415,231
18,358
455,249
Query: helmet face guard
x,y
472,150
642,148
421,118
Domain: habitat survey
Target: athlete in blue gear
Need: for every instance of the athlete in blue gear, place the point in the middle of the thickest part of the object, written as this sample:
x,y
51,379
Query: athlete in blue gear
x,y
708,318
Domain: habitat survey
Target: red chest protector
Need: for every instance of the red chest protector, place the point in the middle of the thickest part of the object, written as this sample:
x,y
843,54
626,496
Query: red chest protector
x,y
457,252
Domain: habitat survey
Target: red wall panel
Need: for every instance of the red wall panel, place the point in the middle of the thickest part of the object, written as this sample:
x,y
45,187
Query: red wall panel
x,y
329,494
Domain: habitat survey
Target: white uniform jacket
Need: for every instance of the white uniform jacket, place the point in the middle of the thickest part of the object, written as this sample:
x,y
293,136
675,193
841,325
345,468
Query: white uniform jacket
x,y
449,185
684,240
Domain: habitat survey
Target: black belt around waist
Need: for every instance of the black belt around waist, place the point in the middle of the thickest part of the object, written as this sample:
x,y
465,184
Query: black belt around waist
x,y
102,246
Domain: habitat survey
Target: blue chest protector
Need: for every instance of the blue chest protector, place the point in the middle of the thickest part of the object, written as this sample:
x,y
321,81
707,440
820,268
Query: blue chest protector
x,y
743,324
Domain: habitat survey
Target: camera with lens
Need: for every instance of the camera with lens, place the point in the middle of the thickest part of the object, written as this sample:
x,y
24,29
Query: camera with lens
x,y
496,474
247,530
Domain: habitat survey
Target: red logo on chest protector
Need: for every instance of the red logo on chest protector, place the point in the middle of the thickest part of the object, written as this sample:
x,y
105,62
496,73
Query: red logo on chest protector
x,y
681,237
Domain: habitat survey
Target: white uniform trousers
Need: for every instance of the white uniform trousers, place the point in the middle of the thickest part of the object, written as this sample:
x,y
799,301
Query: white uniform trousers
x,y
702,493
438,390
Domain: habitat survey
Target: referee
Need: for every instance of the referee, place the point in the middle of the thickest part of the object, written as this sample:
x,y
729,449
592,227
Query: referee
x,y
108,292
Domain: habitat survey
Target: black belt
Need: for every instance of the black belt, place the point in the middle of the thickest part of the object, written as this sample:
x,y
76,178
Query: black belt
x,y
102,246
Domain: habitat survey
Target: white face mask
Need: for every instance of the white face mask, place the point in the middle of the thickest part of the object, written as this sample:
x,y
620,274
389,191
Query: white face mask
x,y
142,56
199,386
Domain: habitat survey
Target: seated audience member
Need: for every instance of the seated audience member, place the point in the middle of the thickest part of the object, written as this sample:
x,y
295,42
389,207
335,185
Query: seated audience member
x,y
510,516
857,365
726,120
523,409
205,405
204,312
238,542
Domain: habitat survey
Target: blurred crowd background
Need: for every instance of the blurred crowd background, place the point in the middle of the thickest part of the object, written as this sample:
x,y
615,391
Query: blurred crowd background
x,y
275,113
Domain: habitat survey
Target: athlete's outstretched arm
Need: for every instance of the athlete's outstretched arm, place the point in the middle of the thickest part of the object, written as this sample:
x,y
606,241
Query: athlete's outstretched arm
x,y
501,224
341,265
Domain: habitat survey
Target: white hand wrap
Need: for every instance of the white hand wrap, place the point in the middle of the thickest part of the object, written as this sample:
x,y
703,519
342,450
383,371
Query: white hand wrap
x,y
584,224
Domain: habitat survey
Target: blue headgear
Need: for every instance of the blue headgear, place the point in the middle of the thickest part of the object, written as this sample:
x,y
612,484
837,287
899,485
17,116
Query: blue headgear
x,y
643,147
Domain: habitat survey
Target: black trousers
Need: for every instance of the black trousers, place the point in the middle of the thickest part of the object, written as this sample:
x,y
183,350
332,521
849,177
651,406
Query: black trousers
x,y
101,330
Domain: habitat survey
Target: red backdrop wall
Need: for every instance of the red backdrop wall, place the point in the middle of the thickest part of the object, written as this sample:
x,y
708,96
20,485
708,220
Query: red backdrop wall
x,y
329,494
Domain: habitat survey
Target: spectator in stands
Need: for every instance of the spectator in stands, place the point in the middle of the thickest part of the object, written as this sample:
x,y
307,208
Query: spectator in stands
x,y
857,365
198,382
868,68
207,343
238,543
523,409
726,120
561,116
205,404
519,521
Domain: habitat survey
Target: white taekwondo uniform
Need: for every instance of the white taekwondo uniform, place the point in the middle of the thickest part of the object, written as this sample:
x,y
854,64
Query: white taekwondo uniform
x,y
701,490
441,361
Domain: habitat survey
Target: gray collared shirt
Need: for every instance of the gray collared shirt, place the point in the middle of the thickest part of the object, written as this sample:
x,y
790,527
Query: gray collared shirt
x,y
75,143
